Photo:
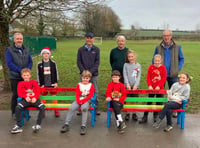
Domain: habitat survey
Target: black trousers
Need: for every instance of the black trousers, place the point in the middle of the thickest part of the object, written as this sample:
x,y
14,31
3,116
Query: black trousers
x,y
117,106
24,104
14,83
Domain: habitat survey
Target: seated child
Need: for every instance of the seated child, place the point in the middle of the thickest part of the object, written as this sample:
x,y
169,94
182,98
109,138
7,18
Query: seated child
x,y
116,94
30,92
178,92
84,92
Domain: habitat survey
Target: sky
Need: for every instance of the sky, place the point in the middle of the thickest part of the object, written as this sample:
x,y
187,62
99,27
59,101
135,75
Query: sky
x,y
158,14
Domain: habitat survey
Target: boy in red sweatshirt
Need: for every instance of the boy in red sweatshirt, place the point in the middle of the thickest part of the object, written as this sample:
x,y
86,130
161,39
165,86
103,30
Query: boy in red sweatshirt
x,y
30,92
84,92
116,94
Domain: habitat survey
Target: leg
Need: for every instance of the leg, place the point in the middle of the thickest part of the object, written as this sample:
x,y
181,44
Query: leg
x,y
84,109
41,108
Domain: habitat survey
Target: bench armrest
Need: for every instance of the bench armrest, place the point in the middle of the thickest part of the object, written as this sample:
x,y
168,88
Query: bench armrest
x,y
184,102
19,99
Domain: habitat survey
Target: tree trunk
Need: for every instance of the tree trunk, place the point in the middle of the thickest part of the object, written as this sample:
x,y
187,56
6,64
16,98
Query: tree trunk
x,y
4,43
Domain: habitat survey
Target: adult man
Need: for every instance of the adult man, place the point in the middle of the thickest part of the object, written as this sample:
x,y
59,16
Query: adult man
x,y
17,58
117,56
172,55
88,58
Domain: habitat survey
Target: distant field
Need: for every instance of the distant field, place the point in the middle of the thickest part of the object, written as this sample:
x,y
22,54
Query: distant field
x,y
65,57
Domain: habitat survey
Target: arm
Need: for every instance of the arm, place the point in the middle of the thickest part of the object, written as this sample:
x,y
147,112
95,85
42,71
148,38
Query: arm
x,y
180,58
163,77
137,83
149,77
21,91
97,61
30,62
79,61
36,89
126,77
10,64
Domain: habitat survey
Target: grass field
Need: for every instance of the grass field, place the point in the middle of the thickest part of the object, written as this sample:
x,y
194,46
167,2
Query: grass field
x,y
65,57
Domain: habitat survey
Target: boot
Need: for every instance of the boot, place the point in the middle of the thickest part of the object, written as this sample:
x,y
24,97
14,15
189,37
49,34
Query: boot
x,y
144,119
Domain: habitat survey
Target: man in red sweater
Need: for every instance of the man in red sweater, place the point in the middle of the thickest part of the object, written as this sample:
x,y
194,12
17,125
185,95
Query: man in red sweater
x,y
29,91
156,77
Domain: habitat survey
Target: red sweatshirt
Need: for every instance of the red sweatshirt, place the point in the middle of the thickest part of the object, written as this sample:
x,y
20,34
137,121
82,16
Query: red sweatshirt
x,y
116,90
28,88
156,76
84,92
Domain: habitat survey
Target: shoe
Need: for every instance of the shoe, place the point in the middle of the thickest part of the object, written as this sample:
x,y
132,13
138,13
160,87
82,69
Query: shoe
x,y
98,113
157,124
134,117
155,118
127,117
174,114
144,120
65,128
122,125
168,128
57,114
83,130
36,128
16,129
78,113
121,131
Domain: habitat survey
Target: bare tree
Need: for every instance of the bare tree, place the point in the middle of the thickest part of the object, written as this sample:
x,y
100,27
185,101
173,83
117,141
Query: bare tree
x,y
10,10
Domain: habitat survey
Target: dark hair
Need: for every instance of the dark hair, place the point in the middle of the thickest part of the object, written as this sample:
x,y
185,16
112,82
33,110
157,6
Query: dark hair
x,y
115,73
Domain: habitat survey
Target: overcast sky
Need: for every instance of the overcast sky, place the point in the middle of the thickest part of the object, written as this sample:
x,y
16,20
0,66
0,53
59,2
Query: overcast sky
x,y
154,14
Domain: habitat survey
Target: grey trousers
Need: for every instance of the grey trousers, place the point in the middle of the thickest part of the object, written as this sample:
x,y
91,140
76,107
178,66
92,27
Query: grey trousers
x,y
84,109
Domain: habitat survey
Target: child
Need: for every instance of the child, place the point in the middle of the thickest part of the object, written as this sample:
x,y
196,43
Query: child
x,y
47,74
84,92
132,74
156,77
30,92
116,94
178,92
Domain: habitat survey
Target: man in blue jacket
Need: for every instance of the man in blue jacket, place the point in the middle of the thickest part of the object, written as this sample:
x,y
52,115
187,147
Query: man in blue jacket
x,y
172,55
88,58
17,58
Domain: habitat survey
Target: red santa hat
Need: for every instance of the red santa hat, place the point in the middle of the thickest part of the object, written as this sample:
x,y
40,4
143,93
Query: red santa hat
x,y
46,49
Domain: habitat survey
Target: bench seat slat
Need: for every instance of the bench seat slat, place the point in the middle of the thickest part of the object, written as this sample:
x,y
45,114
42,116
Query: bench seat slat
x,y
145,99
57,98
144,106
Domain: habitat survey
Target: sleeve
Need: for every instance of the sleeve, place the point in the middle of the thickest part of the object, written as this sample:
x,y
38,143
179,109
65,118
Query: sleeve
x,y
111,58
21,91
56,73
163,77
186,93
97,61
109,90
78,93
36,89
149,76
125,75
79,61
38,74
155,52
30,62
137,83
180,58
10,63
123,91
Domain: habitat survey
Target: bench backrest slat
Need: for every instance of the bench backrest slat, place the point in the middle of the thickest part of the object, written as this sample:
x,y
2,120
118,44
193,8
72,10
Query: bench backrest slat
x,y
57,97
145,99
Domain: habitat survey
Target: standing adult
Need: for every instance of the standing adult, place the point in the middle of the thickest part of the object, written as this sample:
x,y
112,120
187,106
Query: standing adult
x,y
88,58
117,56
17,58
172,55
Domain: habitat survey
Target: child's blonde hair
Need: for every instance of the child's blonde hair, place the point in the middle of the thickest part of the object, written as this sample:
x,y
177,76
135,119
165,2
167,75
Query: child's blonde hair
x,y
158,56
187,75
26,70
127,53
86,73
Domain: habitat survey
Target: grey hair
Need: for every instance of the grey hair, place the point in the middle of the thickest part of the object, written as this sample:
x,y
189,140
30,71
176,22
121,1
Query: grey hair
x,y
18,33
121,37
168,30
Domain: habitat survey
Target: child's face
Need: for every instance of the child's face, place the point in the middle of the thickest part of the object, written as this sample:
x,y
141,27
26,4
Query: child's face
x,y
115,79
183,79
157,61
26,76
45,55
85,79
131,57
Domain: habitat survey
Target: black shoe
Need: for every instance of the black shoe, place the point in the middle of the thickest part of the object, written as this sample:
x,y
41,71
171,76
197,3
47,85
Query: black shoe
x,y
65,128
174,114
155,118
98,113
134,117
83,130
127,117
144,120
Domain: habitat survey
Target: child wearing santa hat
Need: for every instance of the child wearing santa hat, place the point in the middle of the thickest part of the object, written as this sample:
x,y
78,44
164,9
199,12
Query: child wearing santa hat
x,y
47,74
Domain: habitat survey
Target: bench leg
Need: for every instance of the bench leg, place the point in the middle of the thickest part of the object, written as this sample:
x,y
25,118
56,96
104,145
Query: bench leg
x,y
182,120
108,117
27,116
93,117
179,118
22,118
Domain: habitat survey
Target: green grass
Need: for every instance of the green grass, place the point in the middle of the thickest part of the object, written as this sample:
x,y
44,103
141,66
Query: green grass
x,y
66,53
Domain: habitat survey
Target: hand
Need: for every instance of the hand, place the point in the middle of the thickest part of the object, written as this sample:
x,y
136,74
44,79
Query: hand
x,y
179,101
169,97
55,85
157,88
128,87
116,99
108,99
33,100
150,87
28,99
134,87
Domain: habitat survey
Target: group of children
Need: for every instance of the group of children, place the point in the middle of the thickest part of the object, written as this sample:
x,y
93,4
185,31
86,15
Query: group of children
x,y
47,74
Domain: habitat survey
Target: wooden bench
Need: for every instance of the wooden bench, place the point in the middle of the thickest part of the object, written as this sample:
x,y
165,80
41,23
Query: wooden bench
x,y
141,105
64,102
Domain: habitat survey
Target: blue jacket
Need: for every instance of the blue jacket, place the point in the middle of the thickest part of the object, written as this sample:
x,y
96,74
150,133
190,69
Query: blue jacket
x,y
167,57
17,59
